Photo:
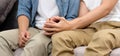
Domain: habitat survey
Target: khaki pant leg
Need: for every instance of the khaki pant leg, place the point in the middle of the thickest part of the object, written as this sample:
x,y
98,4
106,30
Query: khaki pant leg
x,y
9,41
63,43
103,42
37,46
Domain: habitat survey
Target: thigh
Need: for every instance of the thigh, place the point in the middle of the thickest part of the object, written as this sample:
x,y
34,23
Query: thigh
x,y
39,42
11,36
40,38
111,36
76,37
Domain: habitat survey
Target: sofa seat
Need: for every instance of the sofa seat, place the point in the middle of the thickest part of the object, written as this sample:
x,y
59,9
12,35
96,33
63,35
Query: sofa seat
x,y
79,51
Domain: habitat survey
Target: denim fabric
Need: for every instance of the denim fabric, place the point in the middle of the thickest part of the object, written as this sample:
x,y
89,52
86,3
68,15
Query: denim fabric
x,y
68,9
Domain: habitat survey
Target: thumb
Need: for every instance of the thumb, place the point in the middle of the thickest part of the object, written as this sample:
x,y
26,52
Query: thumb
x,y
22,34
27,35
62,19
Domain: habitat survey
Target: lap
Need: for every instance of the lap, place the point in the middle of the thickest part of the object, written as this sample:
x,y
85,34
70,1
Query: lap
x,y
78,36
40,38
11,36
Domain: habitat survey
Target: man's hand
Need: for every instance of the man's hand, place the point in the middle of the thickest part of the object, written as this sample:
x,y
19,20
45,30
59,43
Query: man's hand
x,y
51,20
57,24
23,38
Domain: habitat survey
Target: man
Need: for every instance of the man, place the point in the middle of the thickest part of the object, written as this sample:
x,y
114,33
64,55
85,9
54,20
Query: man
x,y
32,14
98,27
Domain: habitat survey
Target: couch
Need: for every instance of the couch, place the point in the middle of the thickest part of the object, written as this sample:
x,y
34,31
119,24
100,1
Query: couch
x,y
9,21
8,11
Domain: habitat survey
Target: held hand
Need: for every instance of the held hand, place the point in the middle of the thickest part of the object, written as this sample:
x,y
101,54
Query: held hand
x,y
51,20
23,38
62,24
54,19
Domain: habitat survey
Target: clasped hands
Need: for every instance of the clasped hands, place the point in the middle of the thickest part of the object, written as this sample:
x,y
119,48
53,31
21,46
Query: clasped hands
x,y
56,24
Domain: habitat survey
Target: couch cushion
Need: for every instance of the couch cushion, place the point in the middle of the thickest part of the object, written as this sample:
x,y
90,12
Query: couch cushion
x,y
5,7
10,22
115,52
80,51
18,52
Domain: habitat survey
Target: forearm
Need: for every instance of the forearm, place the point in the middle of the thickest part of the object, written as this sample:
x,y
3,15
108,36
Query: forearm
x,y
94,15
23,23
89,18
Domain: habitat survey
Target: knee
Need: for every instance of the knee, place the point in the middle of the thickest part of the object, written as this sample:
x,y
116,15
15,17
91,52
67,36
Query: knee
x,y
37,42
104,35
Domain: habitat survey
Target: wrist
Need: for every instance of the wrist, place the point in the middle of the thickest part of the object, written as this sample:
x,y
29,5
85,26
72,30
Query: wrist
x,y
73,24
22,30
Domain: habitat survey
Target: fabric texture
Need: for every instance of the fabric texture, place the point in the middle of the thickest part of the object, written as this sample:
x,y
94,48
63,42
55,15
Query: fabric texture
x,y
35,46
100,37
5,8
79,51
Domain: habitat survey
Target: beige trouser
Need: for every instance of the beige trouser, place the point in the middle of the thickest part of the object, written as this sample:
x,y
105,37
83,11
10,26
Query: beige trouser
x,y
101,38
36,46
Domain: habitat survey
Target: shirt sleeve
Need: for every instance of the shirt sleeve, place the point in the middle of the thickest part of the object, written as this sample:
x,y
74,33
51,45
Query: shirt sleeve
x,y
24,7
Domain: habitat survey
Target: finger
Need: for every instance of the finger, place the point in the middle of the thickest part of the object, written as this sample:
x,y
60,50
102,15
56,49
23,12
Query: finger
x,y
62,19
51,29
24,39
21,43
48,20
51,25
48,25
49,33
45,26
28,35
56,19
52,21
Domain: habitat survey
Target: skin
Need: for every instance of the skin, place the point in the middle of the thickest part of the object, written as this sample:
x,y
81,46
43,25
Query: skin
x,y
84,16
24,35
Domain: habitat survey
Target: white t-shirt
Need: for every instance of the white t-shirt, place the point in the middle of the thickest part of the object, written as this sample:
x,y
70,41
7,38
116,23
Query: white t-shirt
x,y
114,15
46,9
